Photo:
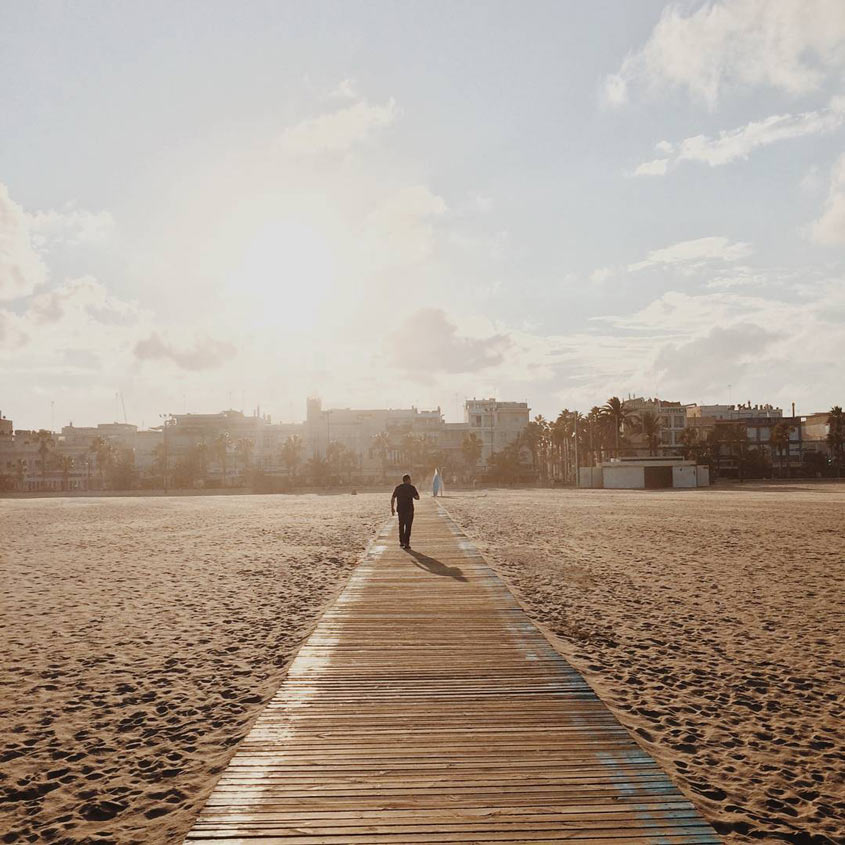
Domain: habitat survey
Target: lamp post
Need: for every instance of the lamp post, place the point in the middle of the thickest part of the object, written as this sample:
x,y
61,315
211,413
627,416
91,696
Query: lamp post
x,y
165,426
577,469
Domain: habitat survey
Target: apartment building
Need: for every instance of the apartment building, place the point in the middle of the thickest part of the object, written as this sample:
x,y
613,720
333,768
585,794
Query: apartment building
x,y
225,446
497,424
757,420
65,460
672,419
814,431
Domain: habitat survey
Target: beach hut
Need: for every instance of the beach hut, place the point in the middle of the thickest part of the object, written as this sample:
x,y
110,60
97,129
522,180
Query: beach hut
x,y
645,474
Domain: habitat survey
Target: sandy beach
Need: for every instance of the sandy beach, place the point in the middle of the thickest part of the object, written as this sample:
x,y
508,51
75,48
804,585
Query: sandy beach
x,y
142,636
140,639
711,622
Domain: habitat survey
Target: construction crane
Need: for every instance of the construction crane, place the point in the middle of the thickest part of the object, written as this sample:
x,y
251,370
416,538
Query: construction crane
x,y
119,395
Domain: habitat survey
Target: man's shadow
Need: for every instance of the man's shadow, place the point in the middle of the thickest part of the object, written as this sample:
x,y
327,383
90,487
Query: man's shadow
x,y
435,567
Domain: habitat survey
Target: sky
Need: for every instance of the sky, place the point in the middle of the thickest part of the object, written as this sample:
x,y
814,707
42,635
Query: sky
x,y
207,205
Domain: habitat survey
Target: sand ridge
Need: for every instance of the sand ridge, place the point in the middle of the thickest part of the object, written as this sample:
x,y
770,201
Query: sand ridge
x,y
141,638
710,621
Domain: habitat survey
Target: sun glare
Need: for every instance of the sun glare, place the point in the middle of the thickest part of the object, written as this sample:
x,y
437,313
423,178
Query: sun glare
x,y
287,271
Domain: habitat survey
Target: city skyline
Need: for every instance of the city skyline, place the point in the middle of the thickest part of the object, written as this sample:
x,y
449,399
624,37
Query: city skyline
x,y
398,205
7,413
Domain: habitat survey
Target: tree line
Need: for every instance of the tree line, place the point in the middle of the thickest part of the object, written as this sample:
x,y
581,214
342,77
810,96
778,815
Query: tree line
x,y
548,451
554,448
105,465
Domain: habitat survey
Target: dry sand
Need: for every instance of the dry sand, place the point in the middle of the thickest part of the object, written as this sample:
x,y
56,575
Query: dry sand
x,y
140,637
710,621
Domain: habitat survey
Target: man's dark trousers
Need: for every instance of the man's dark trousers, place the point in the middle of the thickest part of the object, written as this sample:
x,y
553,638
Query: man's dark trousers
x,y
406,519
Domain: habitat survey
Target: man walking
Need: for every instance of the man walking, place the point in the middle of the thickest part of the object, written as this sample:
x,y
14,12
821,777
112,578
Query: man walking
x,y
402,501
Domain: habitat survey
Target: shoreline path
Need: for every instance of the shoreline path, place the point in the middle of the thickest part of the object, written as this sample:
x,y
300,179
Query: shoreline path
x,y
426,707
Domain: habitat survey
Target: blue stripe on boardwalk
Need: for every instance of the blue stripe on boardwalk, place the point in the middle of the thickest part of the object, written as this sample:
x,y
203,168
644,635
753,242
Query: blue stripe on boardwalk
x,y
426,707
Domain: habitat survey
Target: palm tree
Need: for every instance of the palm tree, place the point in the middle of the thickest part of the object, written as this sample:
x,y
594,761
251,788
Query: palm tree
x,y
736,436
243,449
20,472
618,414
690,443
65,465
836,435
533,437
201,451
221,451
595,434
779,439
581,441
471,449
569,440
318,469
103,451
160,459
292,454
544,444
715,439
336,458
380,444
415,450
559,433
505,465
650,427
341,460
45,442
429,456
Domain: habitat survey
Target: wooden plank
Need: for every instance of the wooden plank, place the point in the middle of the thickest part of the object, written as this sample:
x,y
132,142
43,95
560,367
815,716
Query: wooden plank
x,y
426,708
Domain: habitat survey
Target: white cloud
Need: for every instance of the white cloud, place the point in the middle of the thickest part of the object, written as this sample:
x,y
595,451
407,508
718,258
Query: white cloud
x,y
688,347
615,89
694,253
790,45
829,229
428,343
26,236
12,332
72,226
84,294
21,267
339,130
399,230
733,144
601,274
205,353
482,204
67,330
708,360
811,181
346,90
655,167
741,277
676,315
692,345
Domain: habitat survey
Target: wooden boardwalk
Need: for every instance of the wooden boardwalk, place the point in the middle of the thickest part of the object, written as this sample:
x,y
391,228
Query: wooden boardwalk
x,y
426,708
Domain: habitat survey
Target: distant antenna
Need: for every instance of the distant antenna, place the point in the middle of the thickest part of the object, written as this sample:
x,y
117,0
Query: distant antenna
x,y
123,405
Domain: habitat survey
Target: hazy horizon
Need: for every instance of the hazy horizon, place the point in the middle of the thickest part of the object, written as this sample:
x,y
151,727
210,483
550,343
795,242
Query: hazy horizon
x,y
206,206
